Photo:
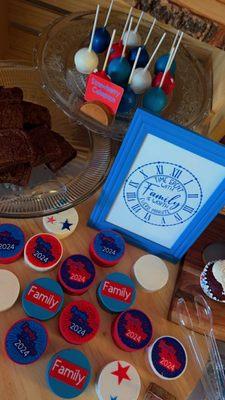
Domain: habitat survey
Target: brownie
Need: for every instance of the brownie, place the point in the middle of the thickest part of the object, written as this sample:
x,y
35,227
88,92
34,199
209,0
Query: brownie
x,y
11,95
35,115
67,153
11,115
14,148
155,392
17,174
44,144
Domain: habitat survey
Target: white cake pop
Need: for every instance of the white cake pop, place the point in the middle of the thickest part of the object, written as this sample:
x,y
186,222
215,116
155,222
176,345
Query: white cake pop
x,y
85,59
142,79
134,38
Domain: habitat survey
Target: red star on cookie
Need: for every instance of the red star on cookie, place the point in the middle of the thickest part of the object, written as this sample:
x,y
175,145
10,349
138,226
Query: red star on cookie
x,y
121,373
51,220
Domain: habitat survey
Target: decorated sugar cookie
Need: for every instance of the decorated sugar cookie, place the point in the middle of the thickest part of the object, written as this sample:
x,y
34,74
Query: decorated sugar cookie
x,y
12,243
68,373
107,248
43,298
9,289
118,380
62,224
43,252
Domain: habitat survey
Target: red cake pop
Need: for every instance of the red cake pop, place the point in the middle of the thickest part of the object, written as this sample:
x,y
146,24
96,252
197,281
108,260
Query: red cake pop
x,y
117,48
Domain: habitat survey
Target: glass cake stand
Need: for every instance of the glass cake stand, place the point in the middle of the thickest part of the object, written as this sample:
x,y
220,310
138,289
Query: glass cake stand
x,y
191,100
74,183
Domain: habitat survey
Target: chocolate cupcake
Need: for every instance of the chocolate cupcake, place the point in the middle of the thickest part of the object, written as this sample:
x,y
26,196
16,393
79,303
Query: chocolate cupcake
x,y
212,280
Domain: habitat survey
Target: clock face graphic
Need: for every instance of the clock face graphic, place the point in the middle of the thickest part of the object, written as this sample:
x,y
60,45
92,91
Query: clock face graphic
x,y
162,193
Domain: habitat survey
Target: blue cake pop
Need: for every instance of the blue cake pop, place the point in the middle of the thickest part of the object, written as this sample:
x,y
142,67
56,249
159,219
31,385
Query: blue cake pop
x,y
128,101
144,56
155,100
119,70
102,36
160,64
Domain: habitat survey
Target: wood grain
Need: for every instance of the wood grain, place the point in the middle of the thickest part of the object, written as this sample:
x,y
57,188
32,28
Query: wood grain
x,y
188,284
28,382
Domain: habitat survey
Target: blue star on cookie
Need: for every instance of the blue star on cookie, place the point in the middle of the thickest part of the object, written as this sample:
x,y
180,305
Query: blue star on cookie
x,y
66,225
113,398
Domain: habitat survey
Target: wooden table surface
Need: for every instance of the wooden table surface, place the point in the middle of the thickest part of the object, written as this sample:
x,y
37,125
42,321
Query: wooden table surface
x,y
28,382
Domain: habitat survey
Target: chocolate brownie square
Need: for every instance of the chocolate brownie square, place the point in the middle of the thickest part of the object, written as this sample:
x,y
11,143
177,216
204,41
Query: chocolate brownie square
x,y
11,95
14,148
44,145
67,153
11,115
17,174
35,115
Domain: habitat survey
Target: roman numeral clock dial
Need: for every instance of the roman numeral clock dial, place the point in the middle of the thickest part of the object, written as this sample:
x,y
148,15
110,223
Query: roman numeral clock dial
x,y
162,194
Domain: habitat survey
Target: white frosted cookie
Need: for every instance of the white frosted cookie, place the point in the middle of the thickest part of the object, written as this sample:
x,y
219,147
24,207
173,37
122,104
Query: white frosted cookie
x,y
150,273
118,380
62,224
9,289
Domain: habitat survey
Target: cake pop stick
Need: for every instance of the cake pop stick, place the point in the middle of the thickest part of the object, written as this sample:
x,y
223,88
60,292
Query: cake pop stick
x,y
141,79
102,36
134,38
85,59
129,99
102,73
162,60
171,58
117,48
144,56
119,68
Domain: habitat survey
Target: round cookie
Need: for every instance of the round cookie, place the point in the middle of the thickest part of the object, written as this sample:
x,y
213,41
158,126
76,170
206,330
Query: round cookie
x,y
9,289
62,224
12,243
132,330
43,252
26,341
150,273
79,322
68,373
167,358
107,248
118,380
42,299
76,274
116,293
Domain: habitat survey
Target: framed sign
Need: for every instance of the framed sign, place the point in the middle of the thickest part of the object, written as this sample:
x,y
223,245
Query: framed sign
x,y
166,185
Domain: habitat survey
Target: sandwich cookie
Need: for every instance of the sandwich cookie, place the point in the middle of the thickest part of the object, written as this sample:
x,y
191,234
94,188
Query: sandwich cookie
x,y
212,280
118,380
43,299
150,273
76,274
26,341
43,252
79,322
12,243
68,373
132,330
62,224
107,248
9,289
116,293
167,358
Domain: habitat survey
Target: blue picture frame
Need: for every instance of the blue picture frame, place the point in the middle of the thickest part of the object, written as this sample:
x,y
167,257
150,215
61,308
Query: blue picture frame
x,y
142,125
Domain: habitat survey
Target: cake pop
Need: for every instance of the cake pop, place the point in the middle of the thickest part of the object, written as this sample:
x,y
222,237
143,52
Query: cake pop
x,y
141,80
160,64
119,68
102,36
144,56
85,59
155,100
133,38
102,73
117,48
129,99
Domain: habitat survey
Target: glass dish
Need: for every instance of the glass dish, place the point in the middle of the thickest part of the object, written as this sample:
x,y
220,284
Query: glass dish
x,y
74,183
191,100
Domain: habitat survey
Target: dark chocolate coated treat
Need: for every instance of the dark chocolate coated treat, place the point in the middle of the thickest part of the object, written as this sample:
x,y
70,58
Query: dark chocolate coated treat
x,y
14,94
215,251
155,392
14,148
67,153
17,174
11,115
44,145
35,115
